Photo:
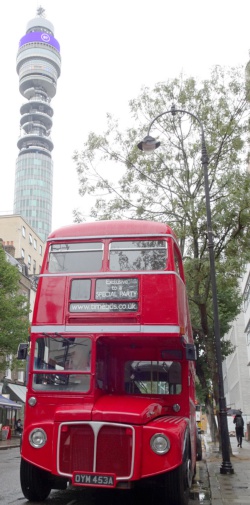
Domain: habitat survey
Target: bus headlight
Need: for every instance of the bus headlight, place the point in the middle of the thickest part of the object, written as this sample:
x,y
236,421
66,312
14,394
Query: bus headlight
x,y
159,443
37,438
32,401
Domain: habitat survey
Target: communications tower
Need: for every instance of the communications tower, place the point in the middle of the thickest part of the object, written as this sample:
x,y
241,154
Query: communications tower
x,y
38,67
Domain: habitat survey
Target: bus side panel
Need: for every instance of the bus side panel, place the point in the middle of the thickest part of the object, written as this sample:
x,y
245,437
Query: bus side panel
x,y
183,309
50,300
159,304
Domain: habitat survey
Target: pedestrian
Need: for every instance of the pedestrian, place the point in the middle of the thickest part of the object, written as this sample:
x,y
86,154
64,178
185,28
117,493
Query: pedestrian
x,y
239,427
19,427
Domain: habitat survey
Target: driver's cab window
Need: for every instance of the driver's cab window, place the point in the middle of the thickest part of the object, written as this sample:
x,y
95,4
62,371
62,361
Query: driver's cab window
x,y
152,377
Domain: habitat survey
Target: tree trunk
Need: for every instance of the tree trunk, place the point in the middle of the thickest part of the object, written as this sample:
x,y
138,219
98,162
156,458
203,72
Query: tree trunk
x,y
214,433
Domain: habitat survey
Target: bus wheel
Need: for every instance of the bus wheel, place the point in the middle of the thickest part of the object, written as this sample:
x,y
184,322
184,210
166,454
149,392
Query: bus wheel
x,y
35,482
177,484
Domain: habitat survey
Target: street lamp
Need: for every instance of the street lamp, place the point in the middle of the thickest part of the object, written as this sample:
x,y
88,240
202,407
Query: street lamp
x,y
149,144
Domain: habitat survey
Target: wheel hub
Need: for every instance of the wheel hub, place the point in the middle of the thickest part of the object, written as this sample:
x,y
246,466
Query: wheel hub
x,y
189,473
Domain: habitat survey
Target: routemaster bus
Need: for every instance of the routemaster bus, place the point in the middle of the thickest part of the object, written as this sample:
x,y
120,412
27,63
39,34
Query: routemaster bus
x,y
111,383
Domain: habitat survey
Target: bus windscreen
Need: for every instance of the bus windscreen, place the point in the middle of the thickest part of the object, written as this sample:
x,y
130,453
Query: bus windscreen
x,y
55,359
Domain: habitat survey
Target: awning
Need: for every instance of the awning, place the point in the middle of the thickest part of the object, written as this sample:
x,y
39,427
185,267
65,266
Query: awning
x,y
5,403
19,391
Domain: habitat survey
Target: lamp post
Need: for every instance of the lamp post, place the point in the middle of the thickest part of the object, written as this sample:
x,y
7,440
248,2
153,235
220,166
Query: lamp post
x,y
149,144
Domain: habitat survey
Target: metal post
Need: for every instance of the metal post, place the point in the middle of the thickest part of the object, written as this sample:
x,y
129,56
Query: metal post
x,y
226,466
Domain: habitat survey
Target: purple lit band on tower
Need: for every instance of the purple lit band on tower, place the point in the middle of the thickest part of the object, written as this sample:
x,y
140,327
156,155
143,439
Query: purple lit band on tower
x,y
39,37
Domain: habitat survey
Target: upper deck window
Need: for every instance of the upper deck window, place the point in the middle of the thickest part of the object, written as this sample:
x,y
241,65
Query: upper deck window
x,y
138,255
76,257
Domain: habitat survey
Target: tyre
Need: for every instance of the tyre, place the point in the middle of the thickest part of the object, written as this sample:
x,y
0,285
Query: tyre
x,y
199,454
198,446
35,482
173,487
194,474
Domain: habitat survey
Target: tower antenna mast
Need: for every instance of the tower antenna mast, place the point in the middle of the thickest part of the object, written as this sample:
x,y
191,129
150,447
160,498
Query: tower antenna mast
x,y
40,12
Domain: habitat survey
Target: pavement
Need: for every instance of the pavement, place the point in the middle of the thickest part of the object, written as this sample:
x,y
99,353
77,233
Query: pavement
x,y
210,486
13,442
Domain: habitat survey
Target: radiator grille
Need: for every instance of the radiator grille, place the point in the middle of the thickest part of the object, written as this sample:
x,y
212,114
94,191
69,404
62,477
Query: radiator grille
x,y
96,447
76,448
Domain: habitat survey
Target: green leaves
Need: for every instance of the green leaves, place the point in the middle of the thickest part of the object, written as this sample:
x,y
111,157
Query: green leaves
x,y
14,311
168,185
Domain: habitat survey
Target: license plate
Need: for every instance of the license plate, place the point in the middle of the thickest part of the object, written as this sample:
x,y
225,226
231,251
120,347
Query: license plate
x,y
93,479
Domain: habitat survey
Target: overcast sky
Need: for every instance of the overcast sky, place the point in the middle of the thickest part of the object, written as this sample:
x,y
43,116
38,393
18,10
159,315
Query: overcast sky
x,y
109,50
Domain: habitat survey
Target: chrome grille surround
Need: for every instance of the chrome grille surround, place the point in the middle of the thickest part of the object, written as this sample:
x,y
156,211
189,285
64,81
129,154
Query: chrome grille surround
x,y
96,428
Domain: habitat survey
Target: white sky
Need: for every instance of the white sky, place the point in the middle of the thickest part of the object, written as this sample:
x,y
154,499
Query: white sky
x,y
109,50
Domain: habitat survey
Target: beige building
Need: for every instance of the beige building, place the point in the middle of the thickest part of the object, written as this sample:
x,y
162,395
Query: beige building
x,y
16,233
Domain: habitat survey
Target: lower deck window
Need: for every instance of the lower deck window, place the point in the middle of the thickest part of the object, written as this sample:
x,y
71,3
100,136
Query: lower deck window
x,y
153,377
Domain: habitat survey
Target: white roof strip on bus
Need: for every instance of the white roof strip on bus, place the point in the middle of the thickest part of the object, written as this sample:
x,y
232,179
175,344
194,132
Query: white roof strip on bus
x,y
111,273
94,237
114,328
108,274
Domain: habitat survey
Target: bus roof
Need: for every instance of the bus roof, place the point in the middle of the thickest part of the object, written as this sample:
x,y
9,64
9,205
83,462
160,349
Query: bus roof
x,y
111,228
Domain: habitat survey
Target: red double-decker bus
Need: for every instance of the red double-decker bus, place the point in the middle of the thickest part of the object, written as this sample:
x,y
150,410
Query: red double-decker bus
x,y
111,383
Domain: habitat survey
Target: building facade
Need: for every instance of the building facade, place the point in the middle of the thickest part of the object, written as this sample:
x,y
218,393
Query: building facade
x,y
38,66
246,308
236,367
16,233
